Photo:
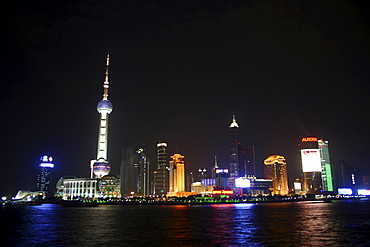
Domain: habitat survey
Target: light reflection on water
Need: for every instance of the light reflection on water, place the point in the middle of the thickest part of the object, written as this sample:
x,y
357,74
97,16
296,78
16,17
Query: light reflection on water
x,y
343,223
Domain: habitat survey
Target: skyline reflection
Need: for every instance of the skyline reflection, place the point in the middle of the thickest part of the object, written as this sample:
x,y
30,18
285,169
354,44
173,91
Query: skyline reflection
x,y
341,223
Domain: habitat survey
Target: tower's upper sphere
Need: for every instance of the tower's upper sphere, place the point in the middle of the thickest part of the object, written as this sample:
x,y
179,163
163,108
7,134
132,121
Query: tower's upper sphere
x,y
104,105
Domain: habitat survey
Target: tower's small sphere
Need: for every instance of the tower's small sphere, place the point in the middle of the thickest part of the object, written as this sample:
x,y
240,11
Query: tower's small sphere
x,y
104,105
101,168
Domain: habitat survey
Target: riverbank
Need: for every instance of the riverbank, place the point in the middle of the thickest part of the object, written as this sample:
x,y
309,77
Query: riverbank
x,y
179,201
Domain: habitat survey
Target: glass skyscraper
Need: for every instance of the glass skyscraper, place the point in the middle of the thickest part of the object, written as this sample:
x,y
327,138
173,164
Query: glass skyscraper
x,y
135,172
161,175
326,169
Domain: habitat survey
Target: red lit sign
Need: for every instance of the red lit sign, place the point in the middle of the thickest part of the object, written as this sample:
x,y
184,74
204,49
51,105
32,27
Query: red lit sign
x,y
309,139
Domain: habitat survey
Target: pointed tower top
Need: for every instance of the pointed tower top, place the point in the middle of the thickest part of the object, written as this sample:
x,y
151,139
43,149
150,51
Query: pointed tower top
x,y
105,105
106,81
234,124
216,165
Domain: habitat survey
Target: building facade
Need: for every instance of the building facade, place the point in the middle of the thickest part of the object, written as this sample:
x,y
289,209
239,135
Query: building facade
x,y
45,174
311,165
161,175
326,167
242,158
275,169
234,143
135,174
177,173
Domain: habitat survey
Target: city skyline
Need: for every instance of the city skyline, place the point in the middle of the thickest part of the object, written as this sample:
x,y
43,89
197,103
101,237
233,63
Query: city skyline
x,y
179,72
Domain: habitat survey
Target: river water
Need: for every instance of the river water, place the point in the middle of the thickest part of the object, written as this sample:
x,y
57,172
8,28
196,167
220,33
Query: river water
x,y
340,223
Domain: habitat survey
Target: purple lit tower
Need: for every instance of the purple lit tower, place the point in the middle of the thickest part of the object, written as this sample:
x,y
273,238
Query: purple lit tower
x,y
101,167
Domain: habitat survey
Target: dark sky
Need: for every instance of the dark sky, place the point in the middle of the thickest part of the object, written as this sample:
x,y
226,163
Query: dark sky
x,y
179,71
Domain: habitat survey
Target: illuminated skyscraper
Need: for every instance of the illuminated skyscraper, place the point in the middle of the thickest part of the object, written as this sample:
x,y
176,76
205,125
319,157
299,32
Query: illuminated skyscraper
x,y
275,169
135,172
177,173
45,175
311,165
161,175
242,159
326,169
234,142
101,167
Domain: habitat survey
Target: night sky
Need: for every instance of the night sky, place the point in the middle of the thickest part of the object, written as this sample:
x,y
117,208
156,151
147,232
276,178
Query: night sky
x,y
179,70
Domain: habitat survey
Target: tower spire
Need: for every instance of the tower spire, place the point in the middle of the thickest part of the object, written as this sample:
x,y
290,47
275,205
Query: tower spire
x,y
216,165
234,124
106,81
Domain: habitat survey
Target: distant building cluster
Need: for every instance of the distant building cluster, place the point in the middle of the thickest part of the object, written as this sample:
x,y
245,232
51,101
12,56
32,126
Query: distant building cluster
x,y
169,177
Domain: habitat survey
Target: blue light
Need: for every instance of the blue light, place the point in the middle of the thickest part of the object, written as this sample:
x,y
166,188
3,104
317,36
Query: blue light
x,y
48,165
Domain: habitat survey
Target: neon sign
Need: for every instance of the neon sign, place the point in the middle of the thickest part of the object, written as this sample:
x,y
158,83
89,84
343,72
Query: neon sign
x,y
223,192
222,170
309,139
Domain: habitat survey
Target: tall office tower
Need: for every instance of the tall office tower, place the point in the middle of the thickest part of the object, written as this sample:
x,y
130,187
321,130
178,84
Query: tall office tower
x,y
234,144
311,165
143,172
242,158
177,173
214,168
134,173
222,178
161,175
346,175
275,169
246,161
45,175
326,169
127,171
101,167
189,181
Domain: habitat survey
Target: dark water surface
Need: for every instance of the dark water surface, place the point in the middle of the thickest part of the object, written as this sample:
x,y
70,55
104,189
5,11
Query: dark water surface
x,y
341,223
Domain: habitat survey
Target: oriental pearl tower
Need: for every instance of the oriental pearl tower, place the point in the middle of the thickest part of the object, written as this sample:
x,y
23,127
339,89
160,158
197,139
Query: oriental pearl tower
x,y
101,167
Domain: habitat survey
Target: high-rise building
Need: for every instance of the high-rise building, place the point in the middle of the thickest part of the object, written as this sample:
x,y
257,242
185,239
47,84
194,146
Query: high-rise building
x,y
161,175
101,167
346,175
242,158
275,169
177,173
246,160
311,165
234,142
222,178
135,172
45,175
326,168
189,181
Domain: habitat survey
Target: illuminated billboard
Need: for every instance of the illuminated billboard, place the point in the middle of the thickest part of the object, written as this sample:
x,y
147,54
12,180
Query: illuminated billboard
x,y
309,139
363,192
297,185
242,183
311,161
345,191
222,192
219,170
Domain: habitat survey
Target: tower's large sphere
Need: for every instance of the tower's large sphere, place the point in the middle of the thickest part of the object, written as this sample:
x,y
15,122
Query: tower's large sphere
x,y
101,168
104,105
